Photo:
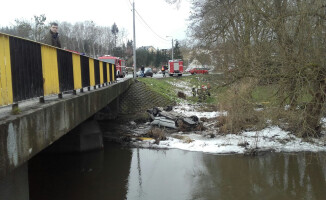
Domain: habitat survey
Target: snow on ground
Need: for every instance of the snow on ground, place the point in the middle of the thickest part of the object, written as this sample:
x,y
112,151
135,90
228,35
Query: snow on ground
x,y
183,85
189,110
268,138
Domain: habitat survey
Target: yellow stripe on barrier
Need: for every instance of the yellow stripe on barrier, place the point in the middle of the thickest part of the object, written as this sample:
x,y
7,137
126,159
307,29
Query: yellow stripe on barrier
x,y
91,72
50,70
101,73
6,94
77,71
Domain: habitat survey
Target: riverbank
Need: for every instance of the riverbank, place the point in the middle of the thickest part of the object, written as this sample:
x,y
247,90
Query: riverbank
x,y
272,138
210,139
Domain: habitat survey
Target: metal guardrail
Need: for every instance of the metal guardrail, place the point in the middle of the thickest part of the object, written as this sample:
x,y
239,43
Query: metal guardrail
x,y
30,69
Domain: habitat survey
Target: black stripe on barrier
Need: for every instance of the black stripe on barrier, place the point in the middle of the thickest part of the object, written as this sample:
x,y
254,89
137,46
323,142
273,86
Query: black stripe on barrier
x,y
66,73
26,69
115,72
105,75
97,72
111,74
84,62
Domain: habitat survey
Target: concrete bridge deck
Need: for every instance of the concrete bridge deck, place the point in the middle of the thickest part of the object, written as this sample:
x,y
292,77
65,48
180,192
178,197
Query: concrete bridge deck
x,y
36,125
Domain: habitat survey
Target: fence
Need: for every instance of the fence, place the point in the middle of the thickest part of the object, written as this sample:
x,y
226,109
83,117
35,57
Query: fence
x,y
29,69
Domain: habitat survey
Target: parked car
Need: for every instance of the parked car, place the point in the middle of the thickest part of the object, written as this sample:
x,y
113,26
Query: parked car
x,y
147,72
199,71
154,70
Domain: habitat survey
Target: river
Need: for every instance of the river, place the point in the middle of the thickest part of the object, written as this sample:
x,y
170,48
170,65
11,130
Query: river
x,y
120,172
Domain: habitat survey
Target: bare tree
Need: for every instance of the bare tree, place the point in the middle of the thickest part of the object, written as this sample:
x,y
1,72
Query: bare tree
x,y
39,27
279,42
115,31
22,29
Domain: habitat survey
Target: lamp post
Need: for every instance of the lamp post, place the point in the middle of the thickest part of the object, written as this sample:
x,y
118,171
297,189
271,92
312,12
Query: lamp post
x,y
172,44
134,34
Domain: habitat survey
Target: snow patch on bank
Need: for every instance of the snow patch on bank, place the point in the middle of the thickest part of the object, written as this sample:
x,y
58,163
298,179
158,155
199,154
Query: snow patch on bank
x,y
186,89
269,138
190,110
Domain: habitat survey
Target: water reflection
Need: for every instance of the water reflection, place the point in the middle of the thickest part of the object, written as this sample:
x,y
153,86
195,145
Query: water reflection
x,y
275,176
89,176
147,174
175,174
163,174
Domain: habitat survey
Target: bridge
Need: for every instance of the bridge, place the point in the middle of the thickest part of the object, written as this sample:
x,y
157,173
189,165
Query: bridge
x,y
45,92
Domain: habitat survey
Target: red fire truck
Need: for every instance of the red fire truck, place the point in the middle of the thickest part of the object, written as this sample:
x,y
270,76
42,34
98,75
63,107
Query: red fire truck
x,y
175,67
119,63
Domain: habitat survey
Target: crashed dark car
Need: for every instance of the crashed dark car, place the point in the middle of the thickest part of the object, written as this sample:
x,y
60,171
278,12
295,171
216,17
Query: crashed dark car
x,y
170,119
147,72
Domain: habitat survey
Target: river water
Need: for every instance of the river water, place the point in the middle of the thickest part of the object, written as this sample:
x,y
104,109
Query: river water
x,y
147,174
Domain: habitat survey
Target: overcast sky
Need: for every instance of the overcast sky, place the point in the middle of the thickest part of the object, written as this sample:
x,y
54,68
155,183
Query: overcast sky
x,y
164,19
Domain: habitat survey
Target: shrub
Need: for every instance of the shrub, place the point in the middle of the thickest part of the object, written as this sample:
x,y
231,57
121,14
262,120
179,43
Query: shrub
x,y
241,113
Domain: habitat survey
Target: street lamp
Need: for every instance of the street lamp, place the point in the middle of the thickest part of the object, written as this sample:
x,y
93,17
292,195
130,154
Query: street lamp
x,y
172,44
134,34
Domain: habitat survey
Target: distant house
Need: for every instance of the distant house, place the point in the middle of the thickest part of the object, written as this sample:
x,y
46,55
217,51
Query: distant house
x,y
149,48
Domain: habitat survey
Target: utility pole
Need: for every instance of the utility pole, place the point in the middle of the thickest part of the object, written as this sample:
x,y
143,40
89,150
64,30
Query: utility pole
x,y
172,48
172,44
134,29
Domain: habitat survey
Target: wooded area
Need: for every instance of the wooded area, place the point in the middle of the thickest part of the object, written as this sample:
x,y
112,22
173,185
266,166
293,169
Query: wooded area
x,y
92,40
279,43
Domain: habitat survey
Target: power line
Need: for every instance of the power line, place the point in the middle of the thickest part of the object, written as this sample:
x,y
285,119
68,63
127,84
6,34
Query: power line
x,y
143,24
149,26
130,5
156,38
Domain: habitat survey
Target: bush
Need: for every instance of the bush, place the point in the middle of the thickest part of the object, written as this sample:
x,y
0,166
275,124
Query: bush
x,y
158,134
240,107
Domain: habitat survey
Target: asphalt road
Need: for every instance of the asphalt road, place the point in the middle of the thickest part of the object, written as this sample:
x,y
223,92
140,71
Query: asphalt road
x,y
154,76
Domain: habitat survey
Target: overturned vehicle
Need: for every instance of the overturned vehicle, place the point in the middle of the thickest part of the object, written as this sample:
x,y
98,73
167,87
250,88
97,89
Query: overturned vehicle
x,y
166,117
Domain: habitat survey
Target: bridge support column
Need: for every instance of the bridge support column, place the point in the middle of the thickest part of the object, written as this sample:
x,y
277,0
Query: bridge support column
x,y
91,137
85,137
15,184
110,111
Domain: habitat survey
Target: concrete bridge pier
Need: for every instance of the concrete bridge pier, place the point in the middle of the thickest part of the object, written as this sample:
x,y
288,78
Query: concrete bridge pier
x,y
90,135
110,111
85,137
15,184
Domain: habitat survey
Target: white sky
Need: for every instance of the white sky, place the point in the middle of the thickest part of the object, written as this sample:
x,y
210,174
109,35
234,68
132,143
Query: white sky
x,y
164,19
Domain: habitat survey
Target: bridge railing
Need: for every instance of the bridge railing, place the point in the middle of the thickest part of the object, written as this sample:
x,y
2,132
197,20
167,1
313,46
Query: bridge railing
x,y
30,69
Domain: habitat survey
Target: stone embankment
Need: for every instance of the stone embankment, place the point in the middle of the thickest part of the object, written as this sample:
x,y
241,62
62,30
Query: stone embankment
x,y
139,98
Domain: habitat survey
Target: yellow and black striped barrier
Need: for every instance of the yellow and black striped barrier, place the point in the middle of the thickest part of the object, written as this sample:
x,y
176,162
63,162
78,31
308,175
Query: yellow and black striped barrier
x,y
30,69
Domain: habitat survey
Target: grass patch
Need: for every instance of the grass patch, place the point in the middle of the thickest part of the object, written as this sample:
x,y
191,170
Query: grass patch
x,y
169,86
264,95
260,95
161,86
16,111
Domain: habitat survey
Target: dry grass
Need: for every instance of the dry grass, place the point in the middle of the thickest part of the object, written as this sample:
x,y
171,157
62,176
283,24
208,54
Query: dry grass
x,y
185,128
181,95
292,120
157,133
241,110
